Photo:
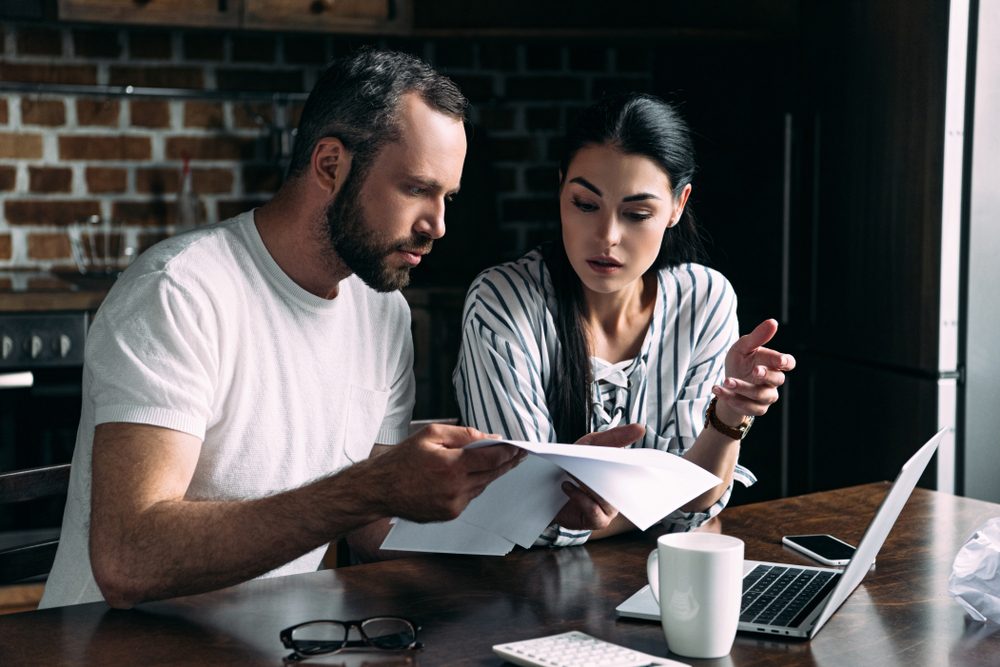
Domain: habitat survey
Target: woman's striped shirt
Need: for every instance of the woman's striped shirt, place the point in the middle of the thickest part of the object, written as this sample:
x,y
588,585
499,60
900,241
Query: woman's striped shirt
x,y
504,376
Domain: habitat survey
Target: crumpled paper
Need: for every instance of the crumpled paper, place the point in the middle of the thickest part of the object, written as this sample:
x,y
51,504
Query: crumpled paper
x,y
975,574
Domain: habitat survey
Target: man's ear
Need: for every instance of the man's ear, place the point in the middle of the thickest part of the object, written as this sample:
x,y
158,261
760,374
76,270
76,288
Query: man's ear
x,y
331,162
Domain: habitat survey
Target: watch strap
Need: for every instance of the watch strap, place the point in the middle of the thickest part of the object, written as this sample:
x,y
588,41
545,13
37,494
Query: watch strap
x,y
735,432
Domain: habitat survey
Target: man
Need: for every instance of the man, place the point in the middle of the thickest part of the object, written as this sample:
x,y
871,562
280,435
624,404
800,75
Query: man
x,y
237,376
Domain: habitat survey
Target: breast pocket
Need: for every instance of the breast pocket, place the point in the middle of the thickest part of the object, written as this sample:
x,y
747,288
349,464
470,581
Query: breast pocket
x,y
365,412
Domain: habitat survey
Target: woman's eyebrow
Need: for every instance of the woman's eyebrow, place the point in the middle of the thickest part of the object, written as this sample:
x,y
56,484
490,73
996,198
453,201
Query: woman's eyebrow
x,y
580,180
642,196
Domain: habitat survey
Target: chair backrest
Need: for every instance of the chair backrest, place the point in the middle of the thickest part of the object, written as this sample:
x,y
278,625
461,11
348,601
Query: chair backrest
x,y
34,558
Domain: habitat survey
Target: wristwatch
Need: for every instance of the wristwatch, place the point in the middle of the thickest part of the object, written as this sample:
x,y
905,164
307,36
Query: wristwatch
x,y
735,432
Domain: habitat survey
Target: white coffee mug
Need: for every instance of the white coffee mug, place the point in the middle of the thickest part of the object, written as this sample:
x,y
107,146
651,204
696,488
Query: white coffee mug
x,y
698,580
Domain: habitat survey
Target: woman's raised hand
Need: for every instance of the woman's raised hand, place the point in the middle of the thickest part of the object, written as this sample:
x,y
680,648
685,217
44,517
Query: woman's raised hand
x,y
753,375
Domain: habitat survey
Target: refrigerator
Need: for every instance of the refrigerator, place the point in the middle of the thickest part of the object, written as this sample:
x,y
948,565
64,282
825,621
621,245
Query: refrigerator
x,y
847,196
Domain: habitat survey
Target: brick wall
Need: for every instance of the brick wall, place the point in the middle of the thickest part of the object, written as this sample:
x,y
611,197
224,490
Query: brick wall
x,y
64,158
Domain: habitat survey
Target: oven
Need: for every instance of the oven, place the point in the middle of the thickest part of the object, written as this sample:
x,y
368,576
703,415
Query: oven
x,y
41,370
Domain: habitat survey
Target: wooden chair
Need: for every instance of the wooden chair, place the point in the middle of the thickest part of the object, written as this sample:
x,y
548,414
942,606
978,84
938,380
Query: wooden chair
x,y
35,558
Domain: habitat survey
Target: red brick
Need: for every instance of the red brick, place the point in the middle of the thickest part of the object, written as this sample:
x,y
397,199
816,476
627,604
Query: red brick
x,y
209,148
20,145
8,178
261,178
478,88
295,113
245,114
50,179
204,114
36,41
541,118
146,212
501,55
158,180
150,44
212,181
106,179
588,58
271,80
146,240
49,211
635,59
46,282
611,85
306,49
496,118
97,43
150,113
3,112
156,77
542,56
98,112
6,247
515,148
81,147
69,74
42,112
48,246
452,53
540,209
544,88
204,46
228,209
253,47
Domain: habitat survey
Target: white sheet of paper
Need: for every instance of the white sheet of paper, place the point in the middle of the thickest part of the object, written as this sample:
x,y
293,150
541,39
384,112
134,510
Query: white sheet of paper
x,y
519,505
643,484
639,493
446,537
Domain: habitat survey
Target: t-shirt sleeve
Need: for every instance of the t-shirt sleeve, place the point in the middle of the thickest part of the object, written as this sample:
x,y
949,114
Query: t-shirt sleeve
x,y
402,392
152,357
498,378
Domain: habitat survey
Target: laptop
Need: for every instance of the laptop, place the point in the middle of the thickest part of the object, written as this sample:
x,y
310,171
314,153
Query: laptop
x,y
796,601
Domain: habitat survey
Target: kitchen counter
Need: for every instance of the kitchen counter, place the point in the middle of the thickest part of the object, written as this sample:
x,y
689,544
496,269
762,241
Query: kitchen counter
x,y
41,291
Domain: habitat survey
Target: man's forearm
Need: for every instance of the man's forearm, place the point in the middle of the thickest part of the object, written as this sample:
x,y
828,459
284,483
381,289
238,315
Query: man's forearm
x,y
180,547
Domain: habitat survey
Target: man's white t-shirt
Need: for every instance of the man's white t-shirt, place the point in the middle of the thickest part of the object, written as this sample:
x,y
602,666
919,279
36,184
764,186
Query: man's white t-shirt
x,y
205,334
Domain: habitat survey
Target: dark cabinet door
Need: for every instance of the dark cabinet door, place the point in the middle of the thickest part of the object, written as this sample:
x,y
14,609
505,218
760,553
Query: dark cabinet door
x,y
852,423
877,82
739,98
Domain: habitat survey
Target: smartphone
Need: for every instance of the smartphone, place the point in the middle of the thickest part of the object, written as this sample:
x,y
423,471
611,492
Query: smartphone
x,y
827,549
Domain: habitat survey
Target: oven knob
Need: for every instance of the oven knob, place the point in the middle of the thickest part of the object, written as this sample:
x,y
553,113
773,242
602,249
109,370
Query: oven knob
x,y
65,345
36,347
6,347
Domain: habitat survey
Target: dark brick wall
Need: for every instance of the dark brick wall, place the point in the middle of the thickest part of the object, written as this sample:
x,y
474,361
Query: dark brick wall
x,y
64,158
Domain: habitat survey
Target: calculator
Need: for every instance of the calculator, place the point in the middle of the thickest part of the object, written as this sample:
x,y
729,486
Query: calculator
x,y
576,649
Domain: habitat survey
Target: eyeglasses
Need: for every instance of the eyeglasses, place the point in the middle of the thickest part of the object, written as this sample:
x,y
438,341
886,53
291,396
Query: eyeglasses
x,y
389,633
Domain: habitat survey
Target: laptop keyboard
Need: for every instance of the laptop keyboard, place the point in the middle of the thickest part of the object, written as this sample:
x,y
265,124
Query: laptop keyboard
x,y
776,595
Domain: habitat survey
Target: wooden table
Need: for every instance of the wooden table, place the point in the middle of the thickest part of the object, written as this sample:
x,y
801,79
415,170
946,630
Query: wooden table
x,y
900,615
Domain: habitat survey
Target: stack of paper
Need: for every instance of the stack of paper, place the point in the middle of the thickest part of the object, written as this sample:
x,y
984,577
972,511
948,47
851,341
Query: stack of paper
x,y
644,485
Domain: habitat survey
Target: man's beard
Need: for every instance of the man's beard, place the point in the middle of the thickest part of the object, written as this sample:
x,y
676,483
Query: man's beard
x,y
361,248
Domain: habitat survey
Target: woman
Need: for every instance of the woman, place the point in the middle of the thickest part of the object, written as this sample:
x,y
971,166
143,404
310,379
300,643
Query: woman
x,y
617,323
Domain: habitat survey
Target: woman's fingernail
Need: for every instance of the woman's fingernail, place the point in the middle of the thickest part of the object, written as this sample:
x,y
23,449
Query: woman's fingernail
x,y
730,382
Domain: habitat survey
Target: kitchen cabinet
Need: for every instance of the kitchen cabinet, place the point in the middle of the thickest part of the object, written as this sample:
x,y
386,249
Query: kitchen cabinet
x,y
326,15
194,13
383,16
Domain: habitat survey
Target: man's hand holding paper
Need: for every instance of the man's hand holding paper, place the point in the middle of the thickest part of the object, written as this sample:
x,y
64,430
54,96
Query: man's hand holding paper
x,y
644,485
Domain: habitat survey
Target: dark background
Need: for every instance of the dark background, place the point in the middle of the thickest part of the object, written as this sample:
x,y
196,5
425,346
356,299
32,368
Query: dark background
x,y
819,129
